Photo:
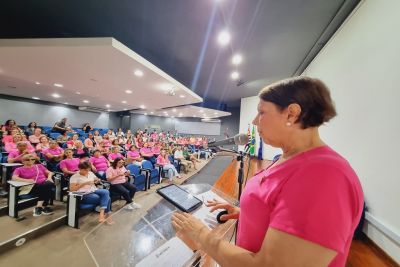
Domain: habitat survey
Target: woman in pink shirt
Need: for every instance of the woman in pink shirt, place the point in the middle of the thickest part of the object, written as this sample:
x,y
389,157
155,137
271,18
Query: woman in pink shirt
x,y
43,145
117,175
133,156
35,137
163,161
53,155
303,209
72,141
42,180
10,146
69,165
99,164
115,154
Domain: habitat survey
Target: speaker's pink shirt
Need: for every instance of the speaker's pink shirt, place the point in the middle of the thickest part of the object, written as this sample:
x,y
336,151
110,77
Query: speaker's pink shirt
x,y
315,195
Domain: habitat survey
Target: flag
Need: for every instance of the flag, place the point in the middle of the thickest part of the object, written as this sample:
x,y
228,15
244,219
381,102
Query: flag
x,y
252,141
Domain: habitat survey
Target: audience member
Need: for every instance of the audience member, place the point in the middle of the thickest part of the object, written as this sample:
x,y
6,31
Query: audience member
x,y
43,183
117,176
163,161
60,126
84,181
87,128
35,137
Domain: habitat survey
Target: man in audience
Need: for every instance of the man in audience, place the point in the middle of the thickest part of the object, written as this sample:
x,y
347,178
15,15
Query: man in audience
x,y
60,126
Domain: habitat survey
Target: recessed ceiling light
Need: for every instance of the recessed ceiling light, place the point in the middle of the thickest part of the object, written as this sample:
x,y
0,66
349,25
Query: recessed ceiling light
x,y
128,91
215,113
224,38
237,59
142,106
108,110
37,83
86,101
35,97
145,114
58,85
174,110
138,73
166,114
235,75
78,93
108,106
194,116
180,114
56,95
66,103
125,109
123,102
182,96
201,111
152,112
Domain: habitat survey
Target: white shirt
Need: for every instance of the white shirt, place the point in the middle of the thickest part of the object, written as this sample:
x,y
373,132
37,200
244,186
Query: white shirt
x,y
77,178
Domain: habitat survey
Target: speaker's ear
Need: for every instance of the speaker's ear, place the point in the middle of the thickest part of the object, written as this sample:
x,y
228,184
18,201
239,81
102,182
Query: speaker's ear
x,y
219,216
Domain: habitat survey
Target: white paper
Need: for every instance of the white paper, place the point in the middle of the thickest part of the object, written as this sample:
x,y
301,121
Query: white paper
x,y
173,253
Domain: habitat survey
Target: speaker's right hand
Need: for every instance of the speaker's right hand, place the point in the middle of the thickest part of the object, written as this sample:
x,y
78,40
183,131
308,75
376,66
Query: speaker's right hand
x,y
233,211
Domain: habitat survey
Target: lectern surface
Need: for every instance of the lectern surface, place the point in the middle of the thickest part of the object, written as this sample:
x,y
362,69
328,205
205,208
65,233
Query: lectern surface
x,y
145,237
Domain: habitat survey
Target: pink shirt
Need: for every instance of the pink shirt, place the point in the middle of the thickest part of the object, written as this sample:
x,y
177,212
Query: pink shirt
x,y
54,151
146,150
113,156
111,172
315,195
162,161
35,139
32,172
99,163
10,146
7,138
70,164
156,150
40,146
133,154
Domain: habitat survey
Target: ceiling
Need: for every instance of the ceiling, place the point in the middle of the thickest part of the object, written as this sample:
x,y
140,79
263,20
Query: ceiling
x,y
94,72
185,111
277,39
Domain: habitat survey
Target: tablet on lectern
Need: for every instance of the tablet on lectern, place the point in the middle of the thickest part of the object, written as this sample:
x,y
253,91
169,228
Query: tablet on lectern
x,y
180,198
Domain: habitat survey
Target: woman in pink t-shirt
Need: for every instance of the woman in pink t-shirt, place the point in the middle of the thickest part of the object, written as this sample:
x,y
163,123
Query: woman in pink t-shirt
x,y
43,145
69,165
163,161
42,180
117,175
133,156
303,209
99,164
115,154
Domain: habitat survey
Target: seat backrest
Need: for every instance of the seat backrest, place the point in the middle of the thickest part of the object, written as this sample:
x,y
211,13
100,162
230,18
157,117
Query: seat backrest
x,y
147,165
134,169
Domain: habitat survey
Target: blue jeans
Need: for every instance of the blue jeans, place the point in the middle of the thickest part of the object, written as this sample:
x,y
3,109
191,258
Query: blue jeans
x,y
171,170
100,197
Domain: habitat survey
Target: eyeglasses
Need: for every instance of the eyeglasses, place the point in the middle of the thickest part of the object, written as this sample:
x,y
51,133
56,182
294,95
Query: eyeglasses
x,y
30,160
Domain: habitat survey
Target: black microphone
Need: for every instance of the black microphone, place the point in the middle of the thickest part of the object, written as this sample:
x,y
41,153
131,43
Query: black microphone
x,y
239,139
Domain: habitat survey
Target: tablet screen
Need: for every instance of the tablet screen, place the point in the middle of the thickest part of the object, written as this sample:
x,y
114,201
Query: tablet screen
x,y
180,198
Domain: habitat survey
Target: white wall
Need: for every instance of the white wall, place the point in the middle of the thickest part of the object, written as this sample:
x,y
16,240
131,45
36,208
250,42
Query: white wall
x,y
46,115
360,65
248,111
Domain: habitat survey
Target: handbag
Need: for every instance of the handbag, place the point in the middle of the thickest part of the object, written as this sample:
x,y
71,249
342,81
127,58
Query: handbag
x,y
24,190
